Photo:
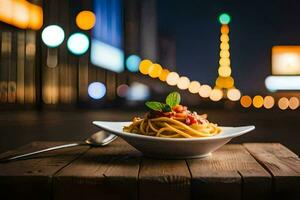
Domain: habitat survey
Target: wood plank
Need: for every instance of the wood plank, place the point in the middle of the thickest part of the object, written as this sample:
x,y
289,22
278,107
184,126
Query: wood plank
x,y
32,178
63,19
110,85
230,173
12,87
5,63
83,78
164,179
30,68
20,66
109,172
284,166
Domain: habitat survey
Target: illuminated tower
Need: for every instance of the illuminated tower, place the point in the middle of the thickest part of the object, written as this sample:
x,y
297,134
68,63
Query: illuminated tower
x,y
224,86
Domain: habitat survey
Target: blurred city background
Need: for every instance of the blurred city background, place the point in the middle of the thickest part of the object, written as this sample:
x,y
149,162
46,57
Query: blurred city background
x,y
65,63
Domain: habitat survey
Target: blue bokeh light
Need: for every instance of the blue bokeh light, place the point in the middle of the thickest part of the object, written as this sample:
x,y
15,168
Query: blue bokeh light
x,y
78,43
133,62
96,90
138,92
107,56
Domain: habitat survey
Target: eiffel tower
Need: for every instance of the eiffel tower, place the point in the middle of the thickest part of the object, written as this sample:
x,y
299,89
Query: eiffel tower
x,y
225,81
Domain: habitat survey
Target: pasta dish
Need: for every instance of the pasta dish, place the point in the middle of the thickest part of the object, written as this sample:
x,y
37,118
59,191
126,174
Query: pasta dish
x,y
172,120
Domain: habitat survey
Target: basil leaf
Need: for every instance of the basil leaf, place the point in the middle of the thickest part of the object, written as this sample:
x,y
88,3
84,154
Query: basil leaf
x,y
167,108
154,105
173,99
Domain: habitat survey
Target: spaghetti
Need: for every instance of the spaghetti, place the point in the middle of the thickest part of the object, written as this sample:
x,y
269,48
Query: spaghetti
x,y
176,122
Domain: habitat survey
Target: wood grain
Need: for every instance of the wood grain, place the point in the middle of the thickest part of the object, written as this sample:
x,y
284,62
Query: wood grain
x,y
284,166
12,70
230,173
29,73
164,179
32,178
20,66
110,172
5,63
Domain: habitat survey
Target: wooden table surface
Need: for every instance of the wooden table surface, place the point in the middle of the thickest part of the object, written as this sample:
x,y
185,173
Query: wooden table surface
x,y
118,171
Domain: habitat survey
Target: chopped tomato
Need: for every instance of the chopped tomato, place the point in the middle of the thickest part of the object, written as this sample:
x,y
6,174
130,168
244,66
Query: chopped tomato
x,y
191,120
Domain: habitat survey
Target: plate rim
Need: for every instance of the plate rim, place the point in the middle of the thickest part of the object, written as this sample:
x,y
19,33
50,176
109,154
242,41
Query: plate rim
x,y
138,136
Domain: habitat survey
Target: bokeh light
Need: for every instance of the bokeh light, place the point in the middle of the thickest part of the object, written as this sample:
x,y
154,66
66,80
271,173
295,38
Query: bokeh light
x,y
78,43
21,14
205,91
194,87
225,82
224,71
294,103
138,92
53,35
172,78
224,62
96,90
86,20
122,90
246,101
224,46
233,94
164,74
224,29
183,83
269,102
258,101
36,17
283,103
144,66
216,94
224,18
155,70
133,62
224,54
224,38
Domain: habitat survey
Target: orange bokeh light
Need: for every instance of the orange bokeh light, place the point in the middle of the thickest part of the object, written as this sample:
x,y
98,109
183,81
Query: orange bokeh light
x,y
258,101
164,74
225,82
21,14
224,29
86,20
155,70
144,66
246,101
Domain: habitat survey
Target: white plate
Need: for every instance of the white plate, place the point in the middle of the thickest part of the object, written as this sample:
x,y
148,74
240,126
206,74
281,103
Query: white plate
x,y
174,148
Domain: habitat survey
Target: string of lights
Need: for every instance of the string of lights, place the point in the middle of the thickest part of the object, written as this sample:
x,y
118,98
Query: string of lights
x,y
154,70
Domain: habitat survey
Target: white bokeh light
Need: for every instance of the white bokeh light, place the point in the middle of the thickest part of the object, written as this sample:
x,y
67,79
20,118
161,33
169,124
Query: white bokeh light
x,y
53,35
96,90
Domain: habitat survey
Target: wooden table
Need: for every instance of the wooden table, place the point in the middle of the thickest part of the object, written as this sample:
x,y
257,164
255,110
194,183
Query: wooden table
x,y
118,171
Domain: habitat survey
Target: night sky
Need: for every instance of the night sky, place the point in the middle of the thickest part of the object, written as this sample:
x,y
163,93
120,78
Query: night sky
x,y
255,27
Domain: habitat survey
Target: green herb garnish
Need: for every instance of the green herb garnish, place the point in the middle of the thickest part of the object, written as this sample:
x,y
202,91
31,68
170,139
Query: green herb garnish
x,y
172,100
